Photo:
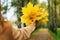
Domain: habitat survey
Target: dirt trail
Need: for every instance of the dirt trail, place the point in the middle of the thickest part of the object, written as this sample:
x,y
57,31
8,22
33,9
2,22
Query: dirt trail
x,y
41,35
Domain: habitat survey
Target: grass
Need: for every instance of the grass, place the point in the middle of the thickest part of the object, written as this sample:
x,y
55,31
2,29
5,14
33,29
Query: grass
x,y
58,33
56,37
53,35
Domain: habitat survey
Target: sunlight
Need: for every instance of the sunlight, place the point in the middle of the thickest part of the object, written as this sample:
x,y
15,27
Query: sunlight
x,y
10,13
40,1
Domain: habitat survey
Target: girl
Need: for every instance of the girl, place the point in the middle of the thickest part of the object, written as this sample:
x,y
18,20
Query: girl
x,y
7,32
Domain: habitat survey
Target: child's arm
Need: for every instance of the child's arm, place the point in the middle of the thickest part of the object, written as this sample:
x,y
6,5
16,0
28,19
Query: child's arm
x,y
23,33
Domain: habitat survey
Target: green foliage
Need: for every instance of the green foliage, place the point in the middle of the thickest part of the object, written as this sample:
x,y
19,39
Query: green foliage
x,y
54,11
5,9
14,2
58,1
43,5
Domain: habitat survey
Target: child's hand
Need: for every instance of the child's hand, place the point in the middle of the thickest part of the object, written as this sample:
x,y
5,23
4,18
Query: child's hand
x,y
33,24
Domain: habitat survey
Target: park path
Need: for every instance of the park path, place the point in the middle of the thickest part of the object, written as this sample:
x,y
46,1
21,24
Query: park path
x,y
42,34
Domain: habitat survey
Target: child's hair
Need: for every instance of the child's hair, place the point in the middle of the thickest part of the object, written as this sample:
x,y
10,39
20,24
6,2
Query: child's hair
x,y
5,28
1,19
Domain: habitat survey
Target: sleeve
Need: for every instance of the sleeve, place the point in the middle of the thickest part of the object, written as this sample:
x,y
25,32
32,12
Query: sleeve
x,y
23,33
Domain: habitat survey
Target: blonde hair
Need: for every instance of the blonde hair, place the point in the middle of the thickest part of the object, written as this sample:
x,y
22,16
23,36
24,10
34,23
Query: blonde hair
x,y
5,28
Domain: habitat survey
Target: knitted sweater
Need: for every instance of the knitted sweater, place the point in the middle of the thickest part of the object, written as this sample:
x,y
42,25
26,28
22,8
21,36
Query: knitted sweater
x,y
10,33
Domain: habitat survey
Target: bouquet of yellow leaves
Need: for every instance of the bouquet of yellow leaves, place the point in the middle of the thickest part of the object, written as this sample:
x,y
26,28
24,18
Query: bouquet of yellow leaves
x,y
32,13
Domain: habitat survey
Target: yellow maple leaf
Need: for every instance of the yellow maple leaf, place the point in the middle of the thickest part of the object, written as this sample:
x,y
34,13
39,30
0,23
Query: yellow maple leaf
x,y
32,13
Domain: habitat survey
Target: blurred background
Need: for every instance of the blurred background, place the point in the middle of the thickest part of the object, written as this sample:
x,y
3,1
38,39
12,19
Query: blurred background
x,y
12,11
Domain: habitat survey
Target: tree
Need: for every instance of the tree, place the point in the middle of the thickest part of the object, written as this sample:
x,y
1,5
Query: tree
x,y
43,5
52,15
58,13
